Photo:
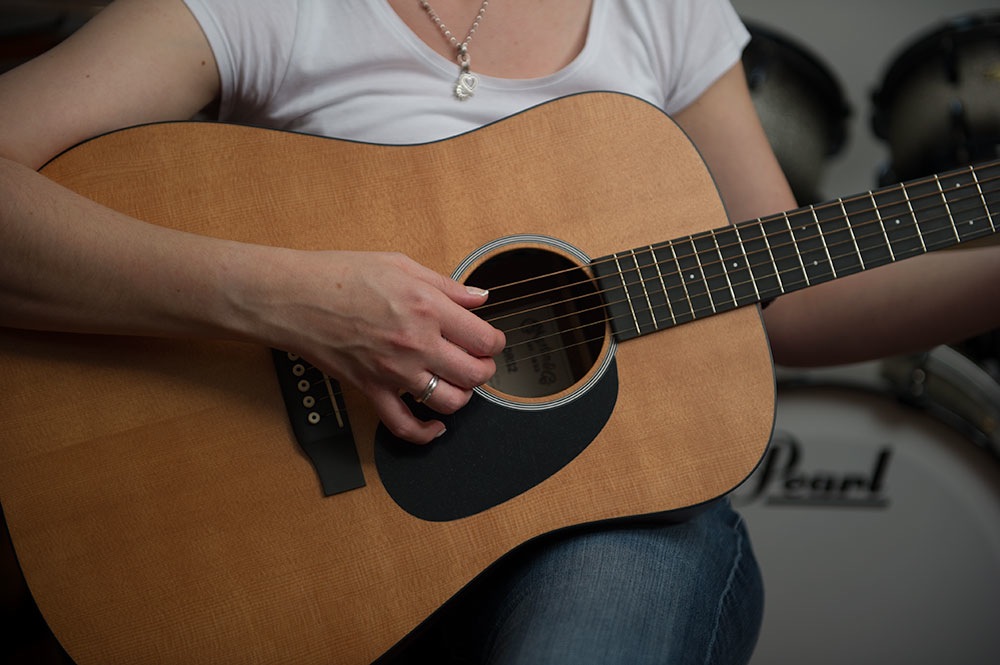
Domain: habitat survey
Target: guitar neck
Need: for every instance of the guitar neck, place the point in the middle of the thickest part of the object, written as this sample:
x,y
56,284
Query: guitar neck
x,y
663,285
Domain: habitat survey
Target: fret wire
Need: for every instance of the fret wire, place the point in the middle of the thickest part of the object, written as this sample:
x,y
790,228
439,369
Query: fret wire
x,y
822,237
701,271
770,253
805,273
847,215
854,237
840,202
777,274
785,250
913,214
698,313
725,270
703,312
628,298
680,274
645,293
947,208
980,195
663,285
881,222
746,258
850,229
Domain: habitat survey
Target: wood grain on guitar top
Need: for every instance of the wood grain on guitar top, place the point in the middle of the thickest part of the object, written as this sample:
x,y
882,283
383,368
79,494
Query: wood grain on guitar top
x,y
162,511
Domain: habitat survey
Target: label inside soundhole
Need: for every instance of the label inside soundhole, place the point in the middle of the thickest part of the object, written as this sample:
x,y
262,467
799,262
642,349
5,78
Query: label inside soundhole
x,y
534,363
551,314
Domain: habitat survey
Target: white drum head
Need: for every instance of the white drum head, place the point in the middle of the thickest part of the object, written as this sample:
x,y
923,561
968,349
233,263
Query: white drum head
x,y
877,528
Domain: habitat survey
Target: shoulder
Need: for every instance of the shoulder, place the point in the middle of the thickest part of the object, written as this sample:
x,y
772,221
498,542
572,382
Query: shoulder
x,y
98,79
691,43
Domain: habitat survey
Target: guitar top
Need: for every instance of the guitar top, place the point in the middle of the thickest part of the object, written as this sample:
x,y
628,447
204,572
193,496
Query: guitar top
x,y
160,497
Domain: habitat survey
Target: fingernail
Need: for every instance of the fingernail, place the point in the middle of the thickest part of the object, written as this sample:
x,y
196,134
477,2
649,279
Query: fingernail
x,y
441,433
476,291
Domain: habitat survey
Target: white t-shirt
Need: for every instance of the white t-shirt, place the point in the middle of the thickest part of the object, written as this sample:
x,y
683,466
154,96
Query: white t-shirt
x,y
353,69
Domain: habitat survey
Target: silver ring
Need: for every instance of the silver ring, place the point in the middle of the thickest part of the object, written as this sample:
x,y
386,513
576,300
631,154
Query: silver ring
x,y
431,385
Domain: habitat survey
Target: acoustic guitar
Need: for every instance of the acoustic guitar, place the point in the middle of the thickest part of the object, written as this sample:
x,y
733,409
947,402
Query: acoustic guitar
x,y
216,502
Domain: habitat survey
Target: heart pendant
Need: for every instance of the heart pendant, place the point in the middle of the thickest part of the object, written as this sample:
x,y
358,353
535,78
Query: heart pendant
x,y
466,84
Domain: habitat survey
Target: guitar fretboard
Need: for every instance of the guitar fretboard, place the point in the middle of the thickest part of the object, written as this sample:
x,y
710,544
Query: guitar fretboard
x,y
663,285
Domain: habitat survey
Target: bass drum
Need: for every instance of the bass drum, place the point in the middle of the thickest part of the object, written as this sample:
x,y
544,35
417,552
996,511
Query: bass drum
x,y
801,105
875,515
938,106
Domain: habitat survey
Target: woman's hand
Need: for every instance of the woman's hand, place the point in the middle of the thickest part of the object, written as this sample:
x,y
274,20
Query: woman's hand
x,y
384,324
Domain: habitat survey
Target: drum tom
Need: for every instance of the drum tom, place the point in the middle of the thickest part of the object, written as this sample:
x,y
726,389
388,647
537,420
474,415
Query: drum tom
x,y
801,105
938,106
875,515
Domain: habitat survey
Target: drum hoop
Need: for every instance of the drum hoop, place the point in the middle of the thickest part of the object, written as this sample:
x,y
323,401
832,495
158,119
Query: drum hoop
x,y
806,64
955,32
940,383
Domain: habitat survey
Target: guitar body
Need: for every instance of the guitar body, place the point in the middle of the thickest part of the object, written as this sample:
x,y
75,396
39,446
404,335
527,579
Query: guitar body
x,y
160,507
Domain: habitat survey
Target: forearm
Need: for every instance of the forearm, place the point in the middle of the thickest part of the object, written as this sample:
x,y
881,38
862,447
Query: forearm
x,y
905,307
379,321
71,264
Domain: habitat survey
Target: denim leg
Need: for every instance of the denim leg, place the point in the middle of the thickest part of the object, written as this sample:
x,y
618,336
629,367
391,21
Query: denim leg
x,y
678,594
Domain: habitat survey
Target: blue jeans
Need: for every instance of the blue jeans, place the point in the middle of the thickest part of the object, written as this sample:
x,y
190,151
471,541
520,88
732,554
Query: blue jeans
x,y
666,593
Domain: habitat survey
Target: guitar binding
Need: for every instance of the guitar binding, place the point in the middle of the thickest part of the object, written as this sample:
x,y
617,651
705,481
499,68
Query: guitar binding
x,y
545,300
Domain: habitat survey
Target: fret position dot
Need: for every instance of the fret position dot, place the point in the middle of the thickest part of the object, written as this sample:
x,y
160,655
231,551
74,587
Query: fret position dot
x,y
691,276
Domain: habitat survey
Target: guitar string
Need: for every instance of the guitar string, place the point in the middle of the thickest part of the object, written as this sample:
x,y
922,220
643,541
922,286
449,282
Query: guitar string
x,y
690,314
854,242
976,188
694,314
840,204
979,196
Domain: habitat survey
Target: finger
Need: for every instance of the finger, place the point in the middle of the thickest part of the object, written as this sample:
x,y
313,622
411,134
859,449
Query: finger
x,y
402,423
454,364
465,295
461,326
468,331
448,398
428,390
441,395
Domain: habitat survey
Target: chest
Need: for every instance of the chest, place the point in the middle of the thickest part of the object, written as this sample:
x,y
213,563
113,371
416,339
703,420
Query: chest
x,y
514,39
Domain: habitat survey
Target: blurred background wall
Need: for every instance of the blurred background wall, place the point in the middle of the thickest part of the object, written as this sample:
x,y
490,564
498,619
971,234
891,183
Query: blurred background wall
x,y
858,40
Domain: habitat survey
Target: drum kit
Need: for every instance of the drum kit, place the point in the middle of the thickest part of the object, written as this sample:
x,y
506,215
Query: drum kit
x,y
875,513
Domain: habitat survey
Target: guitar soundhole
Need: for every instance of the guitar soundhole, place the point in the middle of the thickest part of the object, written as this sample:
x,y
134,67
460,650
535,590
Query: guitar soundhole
x,y
552,315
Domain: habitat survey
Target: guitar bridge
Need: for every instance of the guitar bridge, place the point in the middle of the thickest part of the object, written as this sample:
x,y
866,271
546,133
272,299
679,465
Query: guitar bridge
x,y
318,416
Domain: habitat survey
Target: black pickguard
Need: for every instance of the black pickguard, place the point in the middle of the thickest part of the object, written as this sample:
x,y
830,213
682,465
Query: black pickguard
x,y
490,453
